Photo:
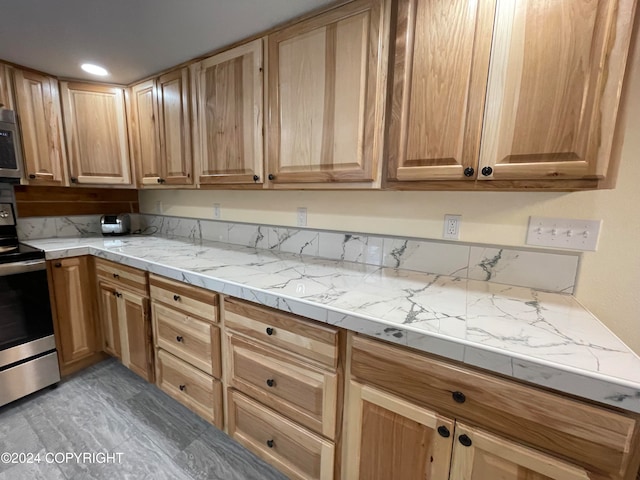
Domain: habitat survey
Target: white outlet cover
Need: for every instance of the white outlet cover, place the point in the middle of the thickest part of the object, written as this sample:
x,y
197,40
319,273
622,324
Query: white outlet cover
x,y
573,234
216,210
451,229
302,217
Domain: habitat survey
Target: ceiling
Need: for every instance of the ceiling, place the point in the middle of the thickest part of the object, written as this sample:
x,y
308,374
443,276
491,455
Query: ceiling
x,y
132,39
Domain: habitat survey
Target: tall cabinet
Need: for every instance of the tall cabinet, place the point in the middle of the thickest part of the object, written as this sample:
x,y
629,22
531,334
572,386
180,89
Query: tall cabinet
x,y
38,107
96,133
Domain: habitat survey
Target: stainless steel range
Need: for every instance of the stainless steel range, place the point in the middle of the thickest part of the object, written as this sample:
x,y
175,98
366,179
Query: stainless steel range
x,y
28,357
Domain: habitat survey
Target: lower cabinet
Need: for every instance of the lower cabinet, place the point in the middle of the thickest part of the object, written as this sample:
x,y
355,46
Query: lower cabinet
x,y
76,332
110,320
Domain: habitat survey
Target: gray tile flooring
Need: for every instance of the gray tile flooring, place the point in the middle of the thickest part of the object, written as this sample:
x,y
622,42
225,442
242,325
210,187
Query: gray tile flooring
x,y
107,408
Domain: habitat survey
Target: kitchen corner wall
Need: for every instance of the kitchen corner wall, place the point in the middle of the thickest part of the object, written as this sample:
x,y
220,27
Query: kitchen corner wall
x,y
609,280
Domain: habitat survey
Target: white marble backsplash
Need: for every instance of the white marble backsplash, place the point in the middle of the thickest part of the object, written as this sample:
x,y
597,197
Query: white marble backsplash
x,y
554,271
32,228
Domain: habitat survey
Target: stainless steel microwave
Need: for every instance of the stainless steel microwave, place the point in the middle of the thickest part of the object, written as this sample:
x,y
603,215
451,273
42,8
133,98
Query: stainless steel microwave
x,y
10,151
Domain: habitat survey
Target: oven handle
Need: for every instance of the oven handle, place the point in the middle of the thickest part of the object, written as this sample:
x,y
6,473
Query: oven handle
x,y
17,268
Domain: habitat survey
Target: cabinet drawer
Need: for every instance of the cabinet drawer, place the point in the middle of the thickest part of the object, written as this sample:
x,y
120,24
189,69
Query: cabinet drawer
x,y
295,451
122,276
192,340
303,393
182,296
294,334
595,437
191,387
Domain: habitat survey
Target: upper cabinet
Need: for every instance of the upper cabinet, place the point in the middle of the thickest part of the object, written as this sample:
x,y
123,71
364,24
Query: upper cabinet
x,y
6,97
437,96
227,112
326,93
96,133
38,108
160,130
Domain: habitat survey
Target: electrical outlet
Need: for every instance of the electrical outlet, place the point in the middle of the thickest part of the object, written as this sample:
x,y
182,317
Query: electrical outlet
x,y
452,227
216,210
302,216
564,233
159,208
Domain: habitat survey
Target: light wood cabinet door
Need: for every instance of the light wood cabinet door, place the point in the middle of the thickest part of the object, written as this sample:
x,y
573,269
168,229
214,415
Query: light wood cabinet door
x,y
439,81
135,333
95,127
553,88
174,118
326,93
74,313
109,319
228,105
478,455
40,118
144,133
390,438
6,90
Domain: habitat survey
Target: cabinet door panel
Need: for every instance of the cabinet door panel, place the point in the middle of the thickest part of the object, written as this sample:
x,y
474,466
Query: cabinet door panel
x,y
175,127
96,134
438,97
6,92
229,116
144,133
388,437
325,85
489,457
109,318
38,106
548,72
135,332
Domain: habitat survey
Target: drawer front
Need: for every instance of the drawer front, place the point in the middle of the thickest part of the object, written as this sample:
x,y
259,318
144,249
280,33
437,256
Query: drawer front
x,y
303,393
122,276
195,301
292,449
194,389
188,338
294,334
594,437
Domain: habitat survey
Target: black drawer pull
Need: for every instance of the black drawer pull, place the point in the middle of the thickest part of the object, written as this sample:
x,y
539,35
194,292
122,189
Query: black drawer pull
x,y
270,443
57,265
459,397
176,298
444,431
271,382
182,387
115,275
464,440
270,331
179,338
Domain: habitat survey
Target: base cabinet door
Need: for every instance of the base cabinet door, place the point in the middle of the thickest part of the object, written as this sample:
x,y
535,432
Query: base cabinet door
x,y
390,438
74,313
478,455
135,333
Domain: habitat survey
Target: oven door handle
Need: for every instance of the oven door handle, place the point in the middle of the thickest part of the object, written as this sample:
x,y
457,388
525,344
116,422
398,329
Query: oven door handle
x,y
17,268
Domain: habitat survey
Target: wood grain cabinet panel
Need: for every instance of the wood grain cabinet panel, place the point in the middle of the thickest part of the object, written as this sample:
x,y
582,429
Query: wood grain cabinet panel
x,y
439,80
553,88
144,134
135,333
76,330
109,318
327,78
6,90
40,118
228,105
390,438
96,133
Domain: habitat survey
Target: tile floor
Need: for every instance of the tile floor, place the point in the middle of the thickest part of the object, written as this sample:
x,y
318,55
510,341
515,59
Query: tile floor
x,y
107,408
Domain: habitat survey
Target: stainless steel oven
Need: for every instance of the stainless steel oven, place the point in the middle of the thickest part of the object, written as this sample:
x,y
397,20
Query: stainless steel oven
x,y
10,150
28,357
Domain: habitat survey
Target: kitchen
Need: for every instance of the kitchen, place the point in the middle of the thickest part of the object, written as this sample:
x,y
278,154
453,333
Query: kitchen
x,y
606,280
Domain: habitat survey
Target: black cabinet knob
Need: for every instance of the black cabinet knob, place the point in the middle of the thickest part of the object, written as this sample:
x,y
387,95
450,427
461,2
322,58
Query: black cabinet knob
x,y
179,338
161,180
32,176
486,171
468,172
74,180
270,331
182,387
459,397
115,275
57,265
176,298
256,178
464,440
444,431
271,382
271,176
270,443
118,294
115,294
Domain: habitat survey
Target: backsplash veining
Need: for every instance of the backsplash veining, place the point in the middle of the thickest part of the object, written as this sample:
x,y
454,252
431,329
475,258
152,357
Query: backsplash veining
x,y
541,269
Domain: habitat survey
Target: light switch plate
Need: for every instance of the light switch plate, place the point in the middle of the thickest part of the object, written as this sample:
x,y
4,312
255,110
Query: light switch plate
x,y
567,233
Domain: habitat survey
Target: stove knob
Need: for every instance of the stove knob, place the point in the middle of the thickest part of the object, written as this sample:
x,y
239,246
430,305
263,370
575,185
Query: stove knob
x,y
4,214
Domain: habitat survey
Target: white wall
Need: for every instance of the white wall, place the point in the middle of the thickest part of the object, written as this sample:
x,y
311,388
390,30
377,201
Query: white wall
x,y
609,280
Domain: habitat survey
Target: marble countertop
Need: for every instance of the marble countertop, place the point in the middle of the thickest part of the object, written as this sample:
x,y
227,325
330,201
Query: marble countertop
x,y
548,339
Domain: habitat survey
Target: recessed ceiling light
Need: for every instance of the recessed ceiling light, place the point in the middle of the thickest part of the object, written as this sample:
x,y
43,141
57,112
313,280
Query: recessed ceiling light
x,y
94,69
